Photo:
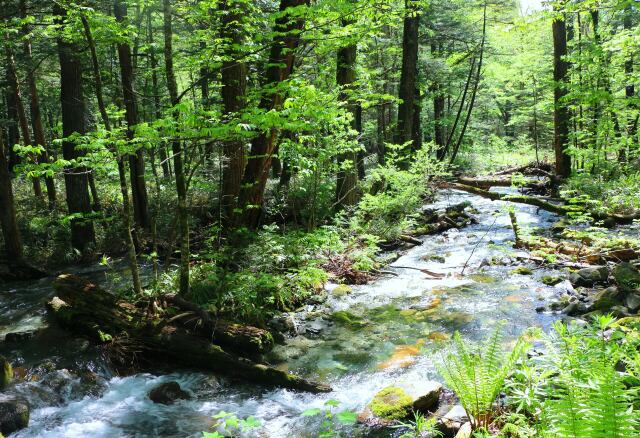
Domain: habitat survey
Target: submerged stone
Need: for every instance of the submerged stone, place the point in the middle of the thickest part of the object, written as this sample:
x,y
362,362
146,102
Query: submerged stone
x,y
522,270
551,280
402,356
483,278
167,393
439,336
391,403
348,319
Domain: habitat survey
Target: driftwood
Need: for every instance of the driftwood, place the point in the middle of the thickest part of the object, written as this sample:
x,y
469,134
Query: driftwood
x,y
561,209
83,308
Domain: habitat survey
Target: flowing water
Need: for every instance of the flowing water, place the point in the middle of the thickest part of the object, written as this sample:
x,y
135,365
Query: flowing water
x,y
385,333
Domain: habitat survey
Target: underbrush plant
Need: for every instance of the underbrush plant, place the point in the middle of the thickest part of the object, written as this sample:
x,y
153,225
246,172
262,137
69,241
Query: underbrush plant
x,y
477,374
331,419
420,427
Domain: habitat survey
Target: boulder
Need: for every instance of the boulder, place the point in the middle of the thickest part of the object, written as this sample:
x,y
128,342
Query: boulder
x,y
606,299
589,277
14,414
167,393
341,290
632,301
6,372
15,337
391,403
428,402
465,431
627,277
575,309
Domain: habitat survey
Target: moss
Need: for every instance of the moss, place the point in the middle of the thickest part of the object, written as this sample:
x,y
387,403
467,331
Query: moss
x,y
347,318
341,290
551,280
522,270
7,372
483,278
392,403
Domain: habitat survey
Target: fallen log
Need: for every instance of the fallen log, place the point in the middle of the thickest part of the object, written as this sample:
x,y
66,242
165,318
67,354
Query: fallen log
x,y
242,339
560,209
486,182
85,309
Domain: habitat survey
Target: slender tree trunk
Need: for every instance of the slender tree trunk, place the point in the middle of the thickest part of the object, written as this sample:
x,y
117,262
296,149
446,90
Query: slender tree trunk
x,y
14,89
74,121
136,161
463,100
347,176
13,134
281,57
439,129
408,75
630,90
234,90
164,161
561,111
178,153
10,230
122,171
36,118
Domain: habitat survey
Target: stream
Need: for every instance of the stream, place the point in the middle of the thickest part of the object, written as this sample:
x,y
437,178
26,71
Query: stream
x,y
390,334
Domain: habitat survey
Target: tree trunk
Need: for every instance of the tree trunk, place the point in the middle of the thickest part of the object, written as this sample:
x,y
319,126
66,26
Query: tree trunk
x,y
178,153
408,75
136,161
14,89
74,121
234,90
439,128
10,230
561,111
36,118
281,57
347,177
13,134
630,89
122,171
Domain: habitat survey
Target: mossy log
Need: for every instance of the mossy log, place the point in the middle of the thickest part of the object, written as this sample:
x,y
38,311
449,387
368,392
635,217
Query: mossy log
x,y
242,339
561,209
85,309
487,182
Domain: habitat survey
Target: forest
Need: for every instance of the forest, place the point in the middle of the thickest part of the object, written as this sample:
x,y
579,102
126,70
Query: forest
x,y
320,218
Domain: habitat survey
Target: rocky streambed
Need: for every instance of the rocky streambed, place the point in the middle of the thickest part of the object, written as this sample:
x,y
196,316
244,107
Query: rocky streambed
x,y
361,340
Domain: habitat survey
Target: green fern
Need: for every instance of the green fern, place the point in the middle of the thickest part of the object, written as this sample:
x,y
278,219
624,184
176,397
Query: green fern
x,y
477,375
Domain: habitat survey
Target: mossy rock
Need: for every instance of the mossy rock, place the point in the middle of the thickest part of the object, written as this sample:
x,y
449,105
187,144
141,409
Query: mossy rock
x,y
522,270
341,290
627,276
6,372
551,280
392,403
483,278
348,319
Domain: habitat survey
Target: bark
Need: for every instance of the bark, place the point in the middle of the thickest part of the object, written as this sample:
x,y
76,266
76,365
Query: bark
x,y
136,161
408,75
630,89
85,309
36,117
178,153
122,171
439,128
10,230
234,90
347,177
285,42
74,122
13,134
561,111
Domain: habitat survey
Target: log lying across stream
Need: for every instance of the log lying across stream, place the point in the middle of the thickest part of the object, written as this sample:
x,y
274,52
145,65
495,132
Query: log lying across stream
x,y
87,310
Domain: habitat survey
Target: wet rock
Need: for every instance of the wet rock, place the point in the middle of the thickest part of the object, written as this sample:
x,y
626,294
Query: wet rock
x,y
6,372
565,286
551,280
541,309
522,270
391,403
348,319
429,401
285,323
589,277
620,311
627,277
575,309
633,301
16,337
453,420
14,414
606,299
167,393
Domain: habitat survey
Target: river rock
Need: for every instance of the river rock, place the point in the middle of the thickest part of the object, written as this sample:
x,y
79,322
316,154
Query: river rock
x,y
627,277
167,393
465,431
633,301
14,414
606,299
575,309
341,290
589,277
6,372
429,401
453,420
388,405
15,337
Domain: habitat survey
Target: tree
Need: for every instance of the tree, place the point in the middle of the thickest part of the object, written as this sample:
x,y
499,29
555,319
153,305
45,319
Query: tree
x,y
74,118
10,230
178,157
282,54
560,77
